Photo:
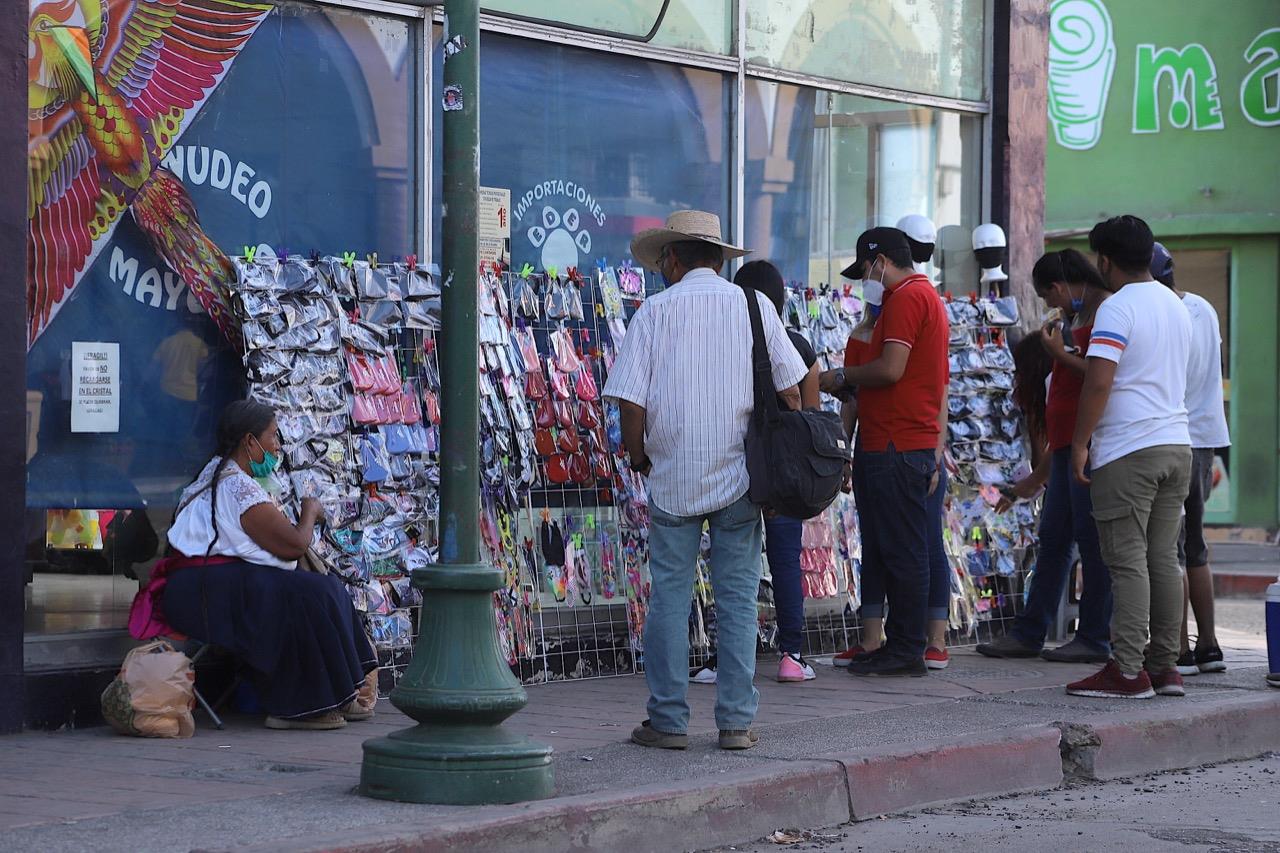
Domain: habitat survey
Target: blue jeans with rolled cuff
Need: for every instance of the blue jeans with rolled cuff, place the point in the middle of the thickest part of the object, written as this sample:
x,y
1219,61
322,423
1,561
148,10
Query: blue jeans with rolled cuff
x,y
891,489
939,567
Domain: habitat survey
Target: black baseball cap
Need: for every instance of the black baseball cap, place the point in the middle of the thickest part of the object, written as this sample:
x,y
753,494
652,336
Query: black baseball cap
x,y
872,242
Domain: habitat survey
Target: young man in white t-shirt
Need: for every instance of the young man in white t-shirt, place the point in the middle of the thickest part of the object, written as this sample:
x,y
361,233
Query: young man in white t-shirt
x,y
1132,426
1207,422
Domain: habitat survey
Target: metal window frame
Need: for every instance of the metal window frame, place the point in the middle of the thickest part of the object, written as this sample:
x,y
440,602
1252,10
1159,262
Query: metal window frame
x,y
735,66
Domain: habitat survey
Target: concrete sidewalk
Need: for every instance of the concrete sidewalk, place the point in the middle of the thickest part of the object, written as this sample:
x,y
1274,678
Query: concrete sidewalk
x,y
832,749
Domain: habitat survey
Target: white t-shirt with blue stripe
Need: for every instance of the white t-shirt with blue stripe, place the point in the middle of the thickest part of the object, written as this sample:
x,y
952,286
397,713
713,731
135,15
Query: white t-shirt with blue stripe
x,y
1145,329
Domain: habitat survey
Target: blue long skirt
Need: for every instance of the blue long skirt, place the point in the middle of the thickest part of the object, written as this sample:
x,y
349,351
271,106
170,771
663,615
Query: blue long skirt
x,y
297,631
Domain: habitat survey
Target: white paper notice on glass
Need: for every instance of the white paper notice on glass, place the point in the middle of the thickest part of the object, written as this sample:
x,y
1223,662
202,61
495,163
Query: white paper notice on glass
x,y
495,224
95,384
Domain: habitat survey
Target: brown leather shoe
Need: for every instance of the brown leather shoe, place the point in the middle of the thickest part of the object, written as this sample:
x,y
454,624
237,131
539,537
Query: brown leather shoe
x,y
738,738
646,735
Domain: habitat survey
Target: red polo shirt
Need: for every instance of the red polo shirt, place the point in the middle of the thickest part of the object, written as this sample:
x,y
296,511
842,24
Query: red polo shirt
x,y
906,412
856,352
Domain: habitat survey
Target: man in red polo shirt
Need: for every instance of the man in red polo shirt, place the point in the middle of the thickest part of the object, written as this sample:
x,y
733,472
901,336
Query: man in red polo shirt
x,y
901,394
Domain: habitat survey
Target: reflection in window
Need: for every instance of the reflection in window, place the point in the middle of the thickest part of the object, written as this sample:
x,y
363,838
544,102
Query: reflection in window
x,y
595,147
691,24
821,168
932,46
306,144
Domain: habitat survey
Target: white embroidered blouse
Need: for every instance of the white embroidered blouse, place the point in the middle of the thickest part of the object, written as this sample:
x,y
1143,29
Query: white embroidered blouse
x,y
192,530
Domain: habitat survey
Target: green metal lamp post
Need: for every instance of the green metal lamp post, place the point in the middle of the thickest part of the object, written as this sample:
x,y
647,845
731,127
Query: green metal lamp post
x,y
458,685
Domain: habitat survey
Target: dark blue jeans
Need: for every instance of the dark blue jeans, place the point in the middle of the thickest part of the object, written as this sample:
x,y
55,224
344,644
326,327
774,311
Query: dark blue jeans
x,y
939,567
891,490
1067,516
782,539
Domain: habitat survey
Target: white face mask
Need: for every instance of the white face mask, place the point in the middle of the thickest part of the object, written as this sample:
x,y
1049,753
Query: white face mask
x,y
872,291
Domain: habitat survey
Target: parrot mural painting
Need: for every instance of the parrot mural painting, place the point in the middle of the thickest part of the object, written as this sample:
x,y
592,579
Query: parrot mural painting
x,y
111,85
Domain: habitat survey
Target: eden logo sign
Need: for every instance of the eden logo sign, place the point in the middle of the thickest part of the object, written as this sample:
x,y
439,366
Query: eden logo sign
x,y
1173,86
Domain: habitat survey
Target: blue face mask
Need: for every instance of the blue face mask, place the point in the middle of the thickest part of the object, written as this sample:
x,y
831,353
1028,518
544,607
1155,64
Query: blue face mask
x,y
1077,303
874,310
269,463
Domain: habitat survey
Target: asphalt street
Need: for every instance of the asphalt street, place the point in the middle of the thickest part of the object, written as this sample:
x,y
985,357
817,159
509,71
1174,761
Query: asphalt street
x,y
1228,808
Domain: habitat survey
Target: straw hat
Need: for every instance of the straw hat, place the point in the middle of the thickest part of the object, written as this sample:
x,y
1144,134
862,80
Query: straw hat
x,y
683,225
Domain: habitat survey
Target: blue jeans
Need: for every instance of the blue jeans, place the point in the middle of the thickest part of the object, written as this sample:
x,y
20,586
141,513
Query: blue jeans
x,y
1067,516
735,576
939,567
782,541
892,493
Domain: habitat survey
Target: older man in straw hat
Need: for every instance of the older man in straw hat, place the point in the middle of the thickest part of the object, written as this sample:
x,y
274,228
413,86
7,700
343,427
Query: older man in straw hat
x,y
683,380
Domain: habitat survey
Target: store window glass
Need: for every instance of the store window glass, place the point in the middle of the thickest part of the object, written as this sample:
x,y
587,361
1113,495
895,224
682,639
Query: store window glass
x,y
823,167
594,147
930,46
295,134
704,25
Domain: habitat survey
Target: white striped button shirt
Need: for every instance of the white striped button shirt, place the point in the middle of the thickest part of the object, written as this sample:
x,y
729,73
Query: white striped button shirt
x,y
686,360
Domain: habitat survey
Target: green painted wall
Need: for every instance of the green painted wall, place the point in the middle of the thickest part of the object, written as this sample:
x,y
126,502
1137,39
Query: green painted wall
x,y
1170,109
1182,180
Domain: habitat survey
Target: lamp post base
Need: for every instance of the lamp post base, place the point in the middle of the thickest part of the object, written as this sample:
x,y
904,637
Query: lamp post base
x,y
456,765
459,689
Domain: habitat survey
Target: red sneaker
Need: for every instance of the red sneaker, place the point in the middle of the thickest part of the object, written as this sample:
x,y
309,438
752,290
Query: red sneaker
x,y
936,658
845,657
1111,683
1168,683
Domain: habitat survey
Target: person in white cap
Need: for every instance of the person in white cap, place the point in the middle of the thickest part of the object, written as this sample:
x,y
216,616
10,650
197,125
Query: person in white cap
x,y
683,382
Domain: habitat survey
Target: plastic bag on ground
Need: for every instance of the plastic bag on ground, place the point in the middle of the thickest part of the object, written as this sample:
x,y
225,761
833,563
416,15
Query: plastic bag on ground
x,y
153,695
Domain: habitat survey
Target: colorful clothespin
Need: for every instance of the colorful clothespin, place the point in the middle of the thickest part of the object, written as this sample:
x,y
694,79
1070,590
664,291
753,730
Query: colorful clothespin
x,y
373,260
282,252
250,252
526,270
602,264
552,272
349,259
411,260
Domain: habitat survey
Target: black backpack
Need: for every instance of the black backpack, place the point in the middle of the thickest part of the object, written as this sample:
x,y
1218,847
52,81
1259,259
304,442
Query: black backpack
x,y
797,461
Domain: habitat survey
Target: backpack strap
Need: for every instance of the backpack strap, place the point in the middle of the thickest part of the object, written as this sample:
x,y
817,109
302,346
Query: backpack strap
x,y
766,399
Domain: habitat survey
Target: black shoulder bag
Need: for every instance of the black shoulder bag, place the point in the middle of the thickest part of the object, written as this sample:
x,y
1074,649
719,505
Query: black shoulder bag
x,y
796,460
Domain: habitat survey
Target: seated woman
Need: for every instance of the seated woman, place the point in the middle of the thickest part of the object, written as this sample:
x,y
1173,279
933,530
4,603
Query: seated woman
x,y
232,583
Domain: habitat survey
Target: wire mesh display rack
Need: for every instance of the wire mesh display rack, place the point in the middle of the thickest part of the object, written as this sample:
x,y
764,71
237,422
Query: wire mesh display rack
x,y
596,632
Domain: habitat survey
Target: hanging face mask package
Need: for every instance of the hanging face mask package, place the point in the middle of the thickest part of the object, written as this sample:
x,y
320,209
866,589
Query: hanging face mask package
x,y
991,552
583,510
340,348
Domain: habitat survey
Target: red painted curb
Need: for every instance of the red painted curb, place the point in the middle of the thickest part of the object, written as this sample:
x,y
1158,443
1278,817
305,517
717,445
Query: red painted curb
x,y
830,789
1185,736
725,809
893,779
1241,586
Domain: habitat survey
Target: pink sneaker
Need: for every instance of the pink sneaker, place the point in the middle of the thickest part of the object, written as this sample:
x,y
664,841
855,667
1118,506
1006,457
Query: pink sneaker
x,y
793,667
936,658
